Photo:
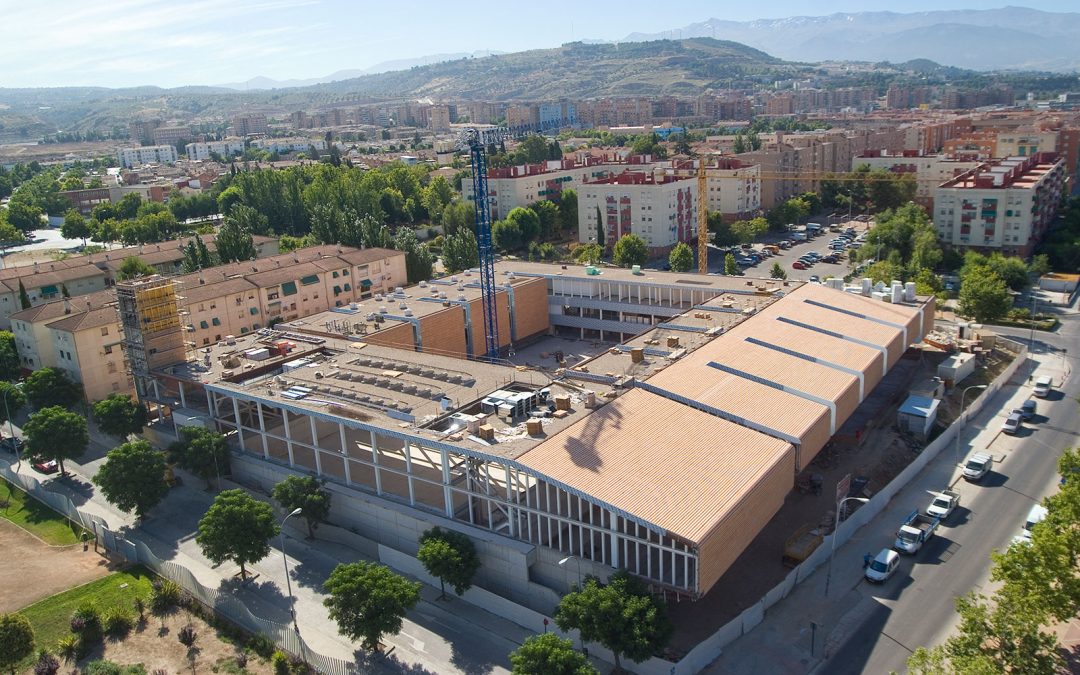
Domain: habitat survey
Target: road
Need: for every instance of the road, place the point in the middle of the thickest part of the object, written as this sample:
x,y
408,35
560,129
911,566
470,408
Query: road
x,y
916,609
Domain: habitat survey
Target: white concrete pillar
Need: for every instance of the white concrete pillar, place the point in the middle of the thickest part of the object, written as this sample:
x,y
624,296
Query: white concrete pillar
x,y
262,430
344,453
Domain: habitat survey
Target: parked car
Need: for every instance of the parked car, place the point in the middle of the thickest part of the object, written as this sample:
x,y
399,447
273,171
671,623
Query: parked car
x,y
12,445
831,259
883,566
48,466
815,278
943,504
1013,423
1026,409
977,466
798,265
1043,385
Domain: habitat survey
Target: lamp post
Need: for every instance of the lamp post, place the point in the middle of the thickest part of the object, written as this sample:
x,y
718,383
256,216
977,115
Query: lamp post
x,y
836,526
963,421
577,561
288,582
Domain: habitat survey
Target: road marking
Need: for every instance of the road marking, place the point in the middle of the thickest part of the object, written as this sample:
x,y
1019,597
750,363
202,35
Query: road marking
x,y
417,643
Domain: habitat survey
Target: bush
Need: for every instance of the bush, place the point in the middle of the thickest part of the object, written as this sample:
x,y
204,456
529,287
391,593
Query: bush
x,y
47,664
104,667
261,645
187,635
280,662
86,621
69,648
117,621
164,596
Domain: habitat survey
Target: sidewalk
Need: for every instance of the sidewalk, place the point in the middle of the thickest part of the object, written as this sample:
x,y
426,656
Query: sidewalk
x,y
802,630
439,636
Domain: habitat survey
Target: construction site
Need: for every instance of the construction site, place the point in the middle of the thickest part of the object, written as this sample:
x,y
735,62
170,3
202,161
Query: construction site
x,y
648,421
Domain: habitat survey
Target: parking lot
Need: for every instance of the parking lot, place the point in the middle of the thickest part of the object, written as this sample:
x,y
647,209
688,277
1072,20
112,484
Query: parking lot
x,y
786,257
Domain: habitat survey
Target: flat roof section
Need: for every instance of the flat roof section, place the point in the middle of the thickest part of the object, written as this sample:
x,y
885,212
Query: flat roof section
x,y
628,454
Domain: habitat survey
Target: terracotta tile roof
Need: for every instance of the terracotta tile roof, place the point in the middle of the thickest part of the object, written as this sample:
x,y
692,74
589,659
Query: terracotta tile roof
x,y
95,318
55,309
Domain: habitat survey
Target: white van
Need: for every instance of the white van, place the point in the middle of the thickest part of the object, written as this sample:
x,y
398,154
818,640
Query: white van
x,y
882,566
1036,515
1043,385
977,466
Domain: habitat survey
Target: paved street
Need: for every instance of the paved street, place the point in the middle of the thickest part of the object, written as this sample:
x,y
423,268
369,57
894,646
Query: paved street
x,y
863,628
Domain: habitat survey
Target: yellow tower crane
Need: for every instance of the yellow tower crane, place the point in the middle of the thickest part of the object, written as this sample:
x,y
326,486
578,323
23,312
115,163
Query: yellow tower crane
x,y
702,219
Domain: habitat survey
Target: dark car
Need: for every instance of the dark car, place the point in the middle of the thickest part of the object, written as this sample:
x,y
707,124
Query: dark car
x,y
12,445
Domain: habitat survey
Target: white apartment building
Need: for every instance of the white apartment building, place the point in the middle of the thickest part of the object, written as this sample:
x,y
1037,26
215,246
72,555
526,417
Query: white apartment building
x,y
152,154
733,187
1004,205
226,148
659,208
929,171
282,145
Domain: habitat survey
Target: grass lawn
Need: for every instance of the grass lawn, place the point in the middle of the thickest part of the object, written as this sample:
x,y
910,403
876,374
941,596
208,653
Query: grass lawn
x,y
51,616
37,518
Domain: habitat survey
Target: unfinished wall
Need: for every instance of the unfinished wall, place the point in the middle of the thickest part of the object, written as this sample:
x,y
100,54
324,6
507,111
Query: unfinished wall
x,y
443,332
531,308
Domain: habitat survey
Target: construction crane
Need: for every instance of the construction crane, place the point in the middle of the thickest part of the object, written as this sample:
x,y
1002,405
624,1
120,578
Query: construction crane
x,y
475,142
702,219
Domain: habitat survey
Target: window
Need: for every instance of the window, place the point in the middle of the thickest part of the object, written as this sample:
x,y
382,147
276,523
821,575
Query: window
x,y
348,287
108,349
309,279
216,321
111,367
243,329
254,311
203,324
105,330
335,274
345,272
288,288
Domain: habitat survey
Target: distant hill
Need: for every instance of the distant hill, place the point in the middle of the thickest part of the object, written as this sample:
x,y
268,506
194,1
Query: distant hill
x,y
1009,38
579,70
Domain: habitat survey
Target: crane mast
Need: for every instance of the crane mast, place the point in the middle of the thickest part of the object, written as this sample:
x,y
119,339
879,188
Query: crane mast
x,y
483,236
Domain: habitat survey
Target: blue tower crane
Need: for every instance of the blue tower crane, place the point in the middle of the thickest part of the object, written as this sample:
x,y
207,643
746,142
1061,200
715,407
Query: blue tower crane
x,y
475,143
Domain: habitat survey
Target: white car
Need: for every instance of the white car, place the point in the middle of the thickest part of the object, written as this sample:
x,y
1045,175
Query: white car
x,y
883,566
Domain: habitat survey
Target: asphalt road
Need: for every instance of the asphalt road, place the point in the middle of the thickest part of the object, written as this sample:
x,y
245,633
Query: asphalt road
x,y
916,608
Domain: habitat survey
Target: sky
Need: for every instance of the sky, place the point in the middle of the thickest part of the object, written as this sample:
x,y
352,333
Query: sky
x,y
118,43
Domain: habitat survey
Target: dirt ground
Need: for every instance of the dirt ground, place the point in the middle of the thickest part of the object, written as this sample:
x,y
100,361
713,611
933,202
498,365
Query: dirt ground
x,y
24,258
879,454
33,570
154,644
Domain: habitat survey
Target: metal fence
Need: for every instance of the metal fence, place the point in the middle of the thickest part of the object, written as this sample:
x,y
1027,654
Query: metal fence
x,y
136,551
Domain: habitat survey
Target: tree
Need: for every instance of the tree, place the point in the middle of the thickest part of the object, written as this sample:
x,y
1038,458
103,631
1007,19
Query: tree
x,y
120,416
458,215
681,258
450,556
368,601
16,640
56,433
547,212
11,400
26,217
202,452
24,297
983,295
133,477
630,250
419,260
620,615
234,240
746,231
75,226
435,197
588,253
528,223
9,356
196,256
128,206
305,493
777,272
506,235
600,229
237,527
460,251
51,386
549,654
731,268
568,210
133,267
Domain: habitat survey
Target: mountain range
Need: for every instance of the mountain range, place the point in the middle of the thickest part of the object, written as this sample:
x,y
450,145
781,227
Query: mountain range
x,y
1009,38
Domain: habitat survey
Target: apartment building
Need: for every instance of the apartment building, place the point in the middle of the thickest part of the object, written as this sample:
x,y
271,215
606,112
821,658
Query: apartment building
x,y
226,148
928,171
1004,205
439,118
150,154
514,186
658,207
81,275
283,145
733,187
248,124
171,135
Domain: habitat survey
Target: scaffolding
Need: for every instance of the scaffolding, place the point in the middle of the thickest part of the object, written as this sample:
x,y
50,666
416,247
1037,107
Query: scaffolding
x,y
150,317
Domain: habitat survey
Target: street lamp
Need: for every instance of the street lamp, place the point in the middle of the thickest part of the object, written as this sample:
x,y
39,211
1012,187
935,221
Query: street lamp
x,y
288,582
577,560
963,421
836,526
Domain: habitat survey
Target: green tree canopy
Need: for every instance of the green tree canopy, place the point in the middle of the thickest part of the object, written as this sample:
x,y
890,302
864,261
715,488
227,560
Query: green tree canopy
x,y
568,210
133,267
528,223
630,250
306,493
75,226
983,295
56,433
9,356
746,231
16,640
588,253
777,272
133,477
234,238
23,216
202,452
731,268
460,251
681,258
119,415
419,261
51,386
237,527
620,615
196,256
506,235
547,212
451,556
549,654
369,601
458,215
12,400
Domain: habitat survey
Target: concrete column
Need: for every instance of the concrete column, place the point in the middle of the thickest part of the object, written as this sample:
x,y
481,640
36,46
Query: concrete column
x,y
615,537
408,471
288,436
345,453
315,445
262,430
183,401
448,494
375,461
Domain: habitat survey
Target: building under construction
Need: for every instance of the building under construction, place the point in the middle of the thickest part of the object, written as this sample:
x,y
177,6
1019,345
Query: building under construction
x,y
664,452
150,318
